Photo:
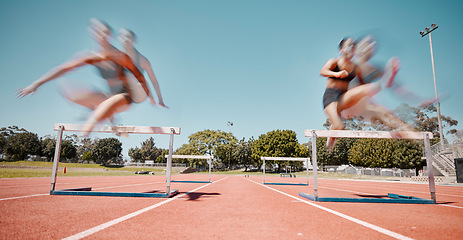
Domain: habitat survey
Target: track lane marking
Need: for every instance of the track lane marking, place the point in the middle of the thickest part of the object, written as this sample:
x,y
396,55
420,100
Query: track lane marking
x,y
100,227
34,195
355,220
449,205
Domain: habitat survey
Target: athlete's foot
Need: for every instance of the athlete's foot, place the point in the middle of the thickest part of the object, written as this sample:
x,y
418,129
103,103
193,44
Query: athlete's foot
x,y
392,67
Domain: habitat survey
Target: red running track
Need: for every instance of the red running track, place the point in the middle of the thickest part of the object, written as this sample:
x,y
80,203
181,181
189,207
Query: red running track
x,y
232,207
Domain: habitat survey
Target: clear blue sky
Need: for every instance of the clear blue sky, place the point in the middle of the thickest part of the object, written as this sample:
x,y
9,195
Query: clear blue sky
x,y
255,63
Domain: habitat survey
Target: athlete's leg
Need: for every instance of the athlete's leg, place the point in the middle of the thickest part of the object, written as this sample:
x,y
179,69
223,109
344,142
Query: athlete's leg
x,y
89,100
105,110
388,118
354,95
333,112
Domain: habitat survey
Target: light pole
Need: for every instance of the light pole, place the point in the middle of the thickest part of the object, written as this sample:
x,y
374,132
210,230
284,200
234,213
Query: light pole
x,y
427,31
230,124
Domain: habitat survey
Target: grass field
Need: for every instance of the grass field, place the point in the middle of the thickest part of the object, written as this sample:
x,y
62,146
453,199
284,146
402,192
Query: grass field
x,y
28,169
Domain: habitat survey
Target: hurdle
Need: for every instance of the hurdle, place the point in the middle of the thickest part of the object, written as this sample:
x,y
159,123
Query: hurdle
x,y
392,198
307,161
61,127
209,161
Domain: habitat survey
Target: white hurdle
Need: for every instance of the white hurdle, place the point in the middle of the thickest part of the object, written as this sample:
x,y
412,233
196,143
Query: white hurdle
x,y
209,161
307,162
61,127
372,134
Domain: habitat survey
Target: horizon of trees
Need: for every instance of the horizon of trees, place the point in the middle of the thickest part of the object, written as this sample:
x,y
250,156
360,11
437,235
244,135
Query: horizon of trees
x,y
230,153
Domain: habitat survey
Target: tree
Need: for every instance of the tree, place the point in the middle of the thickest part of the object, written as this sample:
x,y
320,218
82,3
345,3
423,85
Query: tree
x,y
68,150
3,139
147,151
88,157
48,147
107,149
340,154
188,149
135,154
278,143
387,153
424,119
215,143
85,146
243,153
19,143
162,158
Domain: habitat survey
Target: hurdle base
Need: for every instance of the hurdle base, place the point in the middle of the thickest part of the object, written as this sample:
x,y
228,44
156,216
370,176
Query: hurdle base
x,y
294,184
186,181
392,198
88,192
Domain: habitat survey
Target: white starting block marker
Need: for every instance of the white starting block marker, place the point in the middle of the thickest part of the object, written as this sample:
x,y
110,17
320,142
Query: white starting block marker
x,y
209,161
61,127
306,160
372,134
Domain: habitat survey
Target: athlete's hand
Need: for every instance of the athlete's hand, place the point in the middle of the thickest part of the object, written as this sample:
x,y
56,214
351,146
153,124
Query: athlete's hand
x,y
342,74
150,97
161,103
26,91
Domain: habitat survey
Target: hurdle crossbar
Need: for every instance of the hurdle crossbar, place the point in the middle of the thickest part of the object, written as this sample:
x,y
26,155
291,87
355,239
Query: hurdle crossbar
x,y
61,127
120,129
307,161
209,161
394,198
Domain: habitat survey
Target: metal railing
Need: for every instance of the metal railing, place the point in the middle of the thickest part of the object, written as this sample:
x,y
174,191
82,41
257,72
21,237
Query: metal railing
x,y
443,155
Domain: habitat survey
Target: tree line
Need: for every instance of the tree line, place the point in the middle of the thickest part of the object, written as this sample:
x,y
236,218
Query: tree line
x,y
19,144
231,153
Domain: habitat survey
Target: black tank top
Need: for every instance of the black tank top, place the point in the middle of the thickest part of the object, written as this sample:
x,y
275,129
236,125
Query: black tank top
x,y
348,78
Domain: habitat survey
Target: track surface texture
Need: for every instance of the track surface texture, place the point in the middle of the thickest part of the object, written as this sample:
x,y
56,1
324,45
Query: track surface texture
x,y
231,207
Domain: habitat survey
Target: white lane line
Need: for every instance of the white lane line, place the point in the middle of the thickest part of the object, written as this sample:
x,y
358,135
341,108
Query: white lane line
x,y
35,195
355,220
448,205
131,215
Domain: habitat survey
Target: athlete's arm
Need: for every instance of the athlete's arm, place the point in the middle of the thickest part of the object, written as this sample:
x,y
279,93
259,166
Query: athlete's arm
x,y
329,66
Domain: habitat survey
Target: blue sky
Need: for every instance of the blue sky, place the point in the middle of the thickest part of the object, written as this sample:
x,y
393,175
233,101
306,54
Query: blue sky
x,y
255,63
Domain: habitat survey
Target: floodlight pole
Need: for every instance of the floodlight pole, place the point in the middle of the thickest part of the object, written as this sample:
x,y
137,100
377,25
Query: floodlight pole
x,y
441,134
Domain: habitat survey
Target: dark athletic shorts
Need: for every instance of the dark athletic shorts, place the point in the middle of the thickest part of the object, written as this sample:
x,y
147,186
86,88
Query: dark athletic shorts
x,y
331,95
122,90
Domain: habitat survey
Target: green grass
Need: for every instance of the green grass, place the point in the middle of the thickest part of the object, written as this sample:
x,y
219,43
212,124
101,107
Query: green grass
x,y
44,169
